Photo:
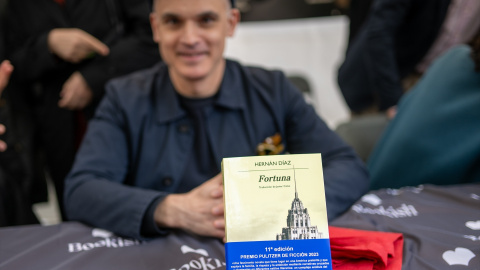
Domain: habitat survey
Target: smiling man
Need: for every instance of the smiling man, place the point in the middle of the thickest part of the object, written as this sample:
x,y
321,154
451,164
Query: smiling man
x,y
191,35
150,160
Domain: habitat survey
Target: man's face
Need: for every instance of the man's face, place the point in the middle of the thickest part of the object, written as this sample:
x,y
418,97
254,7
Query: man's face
x,y
191,36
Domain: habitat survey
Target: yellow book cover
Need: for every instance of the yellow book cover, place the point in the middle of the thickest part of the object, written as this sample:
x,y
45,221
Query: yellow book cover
x,y
271,202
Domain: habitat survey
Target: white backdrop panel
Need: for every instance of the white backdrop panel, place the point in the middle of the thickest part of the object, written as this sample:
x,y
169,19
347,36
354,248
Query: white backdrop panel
x,y
313,48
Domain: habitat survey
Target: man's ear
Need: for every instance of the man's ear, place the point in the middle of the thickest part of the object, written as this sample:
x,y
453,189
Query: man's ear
x,y
154,25
233,20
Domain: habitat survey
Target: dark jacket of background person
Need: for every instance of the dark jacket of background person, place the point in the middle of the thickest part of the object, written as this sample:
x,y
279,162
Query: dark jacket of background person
x,y
123,25
358,11
393,40
15,173
435,136
139,143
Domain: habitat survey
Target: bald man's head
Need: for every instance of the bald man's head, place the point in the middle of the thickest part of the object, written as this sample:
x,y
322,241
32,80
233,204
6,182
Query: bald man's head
x,y
232,3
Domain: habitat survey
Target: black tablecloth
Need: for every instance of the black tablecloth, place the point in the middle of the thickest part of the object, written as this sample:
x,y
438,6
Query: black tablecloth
x,y
73,245
440,225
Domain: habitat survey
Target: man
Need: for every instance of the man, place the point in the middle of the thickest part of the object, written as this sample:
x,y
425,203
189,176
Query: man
x,y
151,158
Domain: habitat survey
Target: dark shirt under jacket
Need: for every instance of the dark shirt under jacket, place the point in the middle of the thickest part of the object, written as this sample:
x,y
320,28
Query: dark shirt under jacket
x,y
393,40
139,143
202,162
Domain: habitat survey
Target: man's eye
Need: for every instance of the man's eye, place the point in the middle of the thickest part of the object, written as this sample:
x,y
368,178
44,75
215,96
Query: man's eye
x,y
207,20
171,21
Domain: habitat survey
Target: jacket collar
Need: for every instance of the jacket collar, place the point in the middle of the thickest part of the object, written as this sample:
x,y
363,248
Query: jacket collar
x,y
231,95
167,103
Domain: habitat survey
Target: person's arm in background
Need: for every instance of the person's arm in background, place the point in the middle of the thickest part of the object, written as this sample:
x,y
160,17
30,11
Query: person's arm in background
x,y
38,55
75,45
56,50
369,77
29,54
6,70
133,50
380,57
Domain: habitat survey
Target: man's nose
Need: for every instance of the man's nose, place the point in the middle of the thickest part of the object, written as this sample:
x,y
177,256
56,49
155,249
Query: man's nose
x,y
190,34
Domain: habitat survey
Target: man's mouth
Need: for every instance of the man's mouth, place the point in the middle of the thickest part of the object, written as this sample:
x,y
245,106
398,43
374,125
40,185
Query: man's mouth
x,y
192,56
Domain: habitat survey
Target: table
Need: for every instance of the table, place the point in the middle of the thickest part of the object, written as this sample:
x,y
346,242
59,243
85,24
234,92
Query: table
x,y
440,224
72,245
440,227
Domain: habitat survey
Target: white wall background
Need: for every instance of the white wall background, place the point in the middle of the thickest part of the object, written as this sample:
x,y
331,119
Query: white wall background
x,y
313,48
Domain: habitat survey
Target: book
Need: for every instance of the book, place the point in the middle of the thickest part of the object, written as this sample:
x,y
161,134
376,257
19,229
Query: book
x,y
275,212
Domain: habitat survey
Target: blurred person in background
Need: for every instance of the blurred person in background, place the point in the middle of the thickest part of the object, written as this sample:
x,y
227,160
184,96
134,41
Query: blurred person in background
x,y
435,136
395,37
6,70
15,179
388,55
15,204
64,51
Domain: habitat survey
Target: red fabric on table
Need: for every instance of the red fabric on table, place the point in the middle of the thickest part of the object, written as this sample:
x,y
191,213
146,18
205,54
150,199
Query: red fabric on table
x,y
360,249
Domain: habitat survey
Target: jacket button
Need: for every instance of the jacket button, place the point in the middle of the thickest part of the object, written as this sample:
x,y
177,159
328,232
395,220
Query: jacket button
x,y
183,128
167,181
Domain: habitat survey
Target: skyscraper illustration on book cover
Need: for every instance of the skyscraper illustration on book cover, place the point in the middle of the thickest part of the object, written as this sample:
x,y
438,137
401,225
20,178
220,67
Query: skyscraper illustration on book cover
x,y
298,222
275,212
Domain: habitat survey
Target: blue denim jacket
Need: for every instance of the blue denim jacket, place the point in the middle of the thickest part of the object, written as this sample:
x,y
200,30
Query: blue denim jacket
x,y
137,146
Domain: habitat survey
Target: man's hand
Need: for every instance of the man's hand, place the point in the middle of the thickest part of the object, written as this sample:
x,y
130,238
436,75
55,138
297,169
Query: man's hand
x,y
199,211
74,45
75,94
6,70
3,145
391,112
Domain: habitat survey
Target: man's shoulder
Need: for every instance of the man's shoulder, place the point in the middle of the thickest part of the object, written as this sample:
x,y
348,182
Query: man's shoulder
x,y
259,76
255,70
137,82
